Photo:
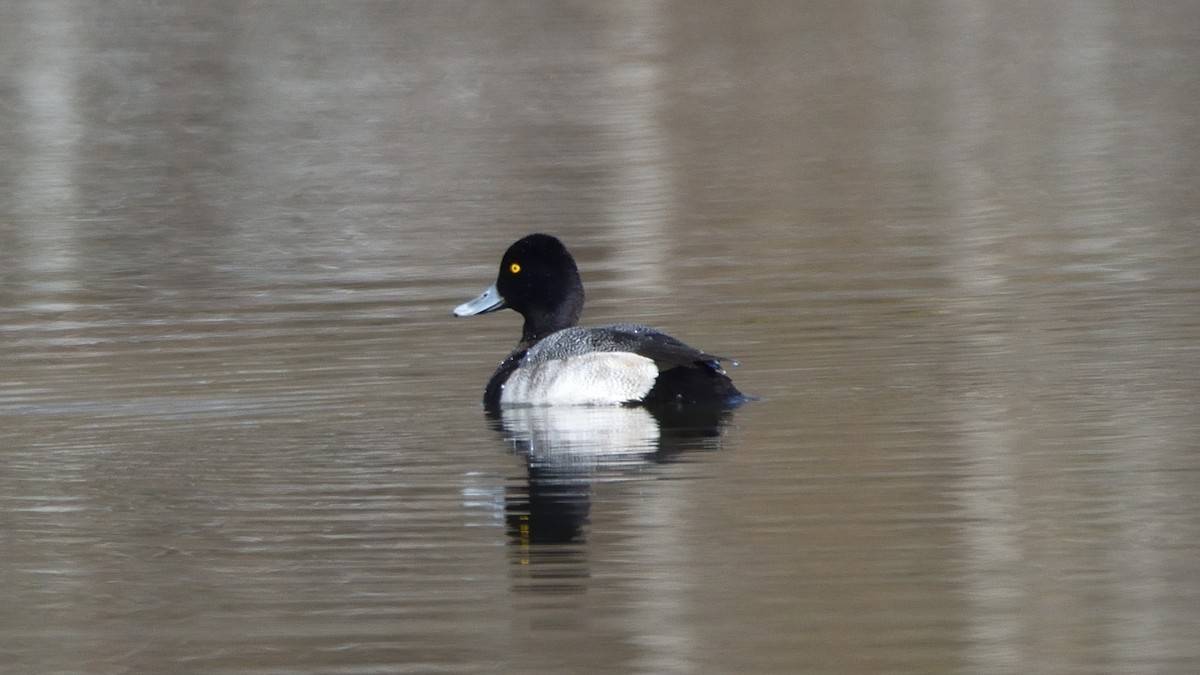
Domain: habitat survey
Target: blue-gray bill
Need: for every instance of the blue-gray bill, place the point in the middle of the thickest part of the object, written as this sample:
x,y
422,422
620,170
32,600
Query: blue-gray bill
x,y
488,301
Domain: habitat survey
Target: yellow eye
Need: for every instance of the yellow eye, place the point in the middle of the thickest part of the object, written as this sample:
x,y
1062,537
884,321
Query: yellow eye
x,y
514,268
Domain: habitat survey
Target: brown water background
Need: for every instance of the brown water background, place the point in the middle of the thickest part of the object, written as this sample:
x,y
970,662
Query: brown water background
x,y
955,247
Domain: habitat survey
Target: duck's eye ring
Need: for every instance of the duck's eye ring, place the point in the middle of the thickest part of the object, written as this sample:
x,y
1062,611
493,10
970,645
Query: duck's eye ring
x,y
514,268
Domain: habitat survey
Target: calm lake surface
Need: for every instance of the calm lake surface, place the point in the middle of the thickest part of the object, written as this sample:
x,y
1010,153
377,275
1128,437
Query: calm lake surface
x,y
955,247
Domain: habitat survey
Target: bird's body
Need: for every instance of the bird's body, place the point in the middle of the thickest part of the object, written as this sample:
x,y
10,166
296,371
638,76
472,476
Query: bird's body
x,y
557,362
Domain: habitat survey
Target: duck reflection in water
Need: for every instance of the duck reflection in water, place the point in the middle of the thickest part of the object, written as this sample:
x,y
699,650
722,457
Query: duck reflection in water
x,y
567,449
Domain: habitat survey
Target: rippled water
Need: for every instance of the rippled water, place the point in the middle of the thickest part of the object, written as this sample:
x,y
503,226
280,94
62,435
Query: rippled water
x,y
954,248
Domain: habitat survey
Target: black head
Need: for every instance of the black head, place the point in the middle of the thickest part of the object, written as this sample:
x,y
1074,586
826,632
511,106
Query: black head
x,y
539,279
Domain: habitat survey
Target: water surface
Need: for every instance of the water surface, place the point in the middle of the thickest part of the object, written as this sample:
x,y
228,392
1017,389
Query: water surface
x,y
954,248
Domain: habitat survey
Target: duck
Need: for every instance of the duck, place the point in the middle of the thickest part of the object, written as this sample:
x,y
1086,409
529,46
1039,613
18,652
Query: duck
x,y
558,362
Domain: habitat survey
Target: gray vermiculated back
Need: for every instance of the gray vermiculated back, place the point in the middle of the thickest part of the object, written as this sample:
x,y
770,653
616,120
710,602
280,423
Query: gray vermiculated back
x,y
579,340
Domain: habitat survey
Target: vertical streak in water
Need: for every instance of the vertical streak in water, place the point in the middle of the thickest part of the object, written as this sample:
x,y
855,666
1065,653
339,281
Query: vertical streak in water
x,y
639,213
44,225
659,530
989,492
1068,62
643,198
47,189
1095,153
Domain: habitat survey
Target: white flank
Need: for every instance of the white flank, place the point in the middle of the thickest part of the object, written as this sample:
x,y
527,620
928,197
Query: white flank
x,y
597,378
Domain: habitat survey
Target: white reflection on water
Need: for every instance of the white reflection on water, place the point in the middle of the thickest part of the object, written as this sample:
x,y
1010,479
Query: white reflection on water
x,y
643,196
578,438
567,450
48,192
